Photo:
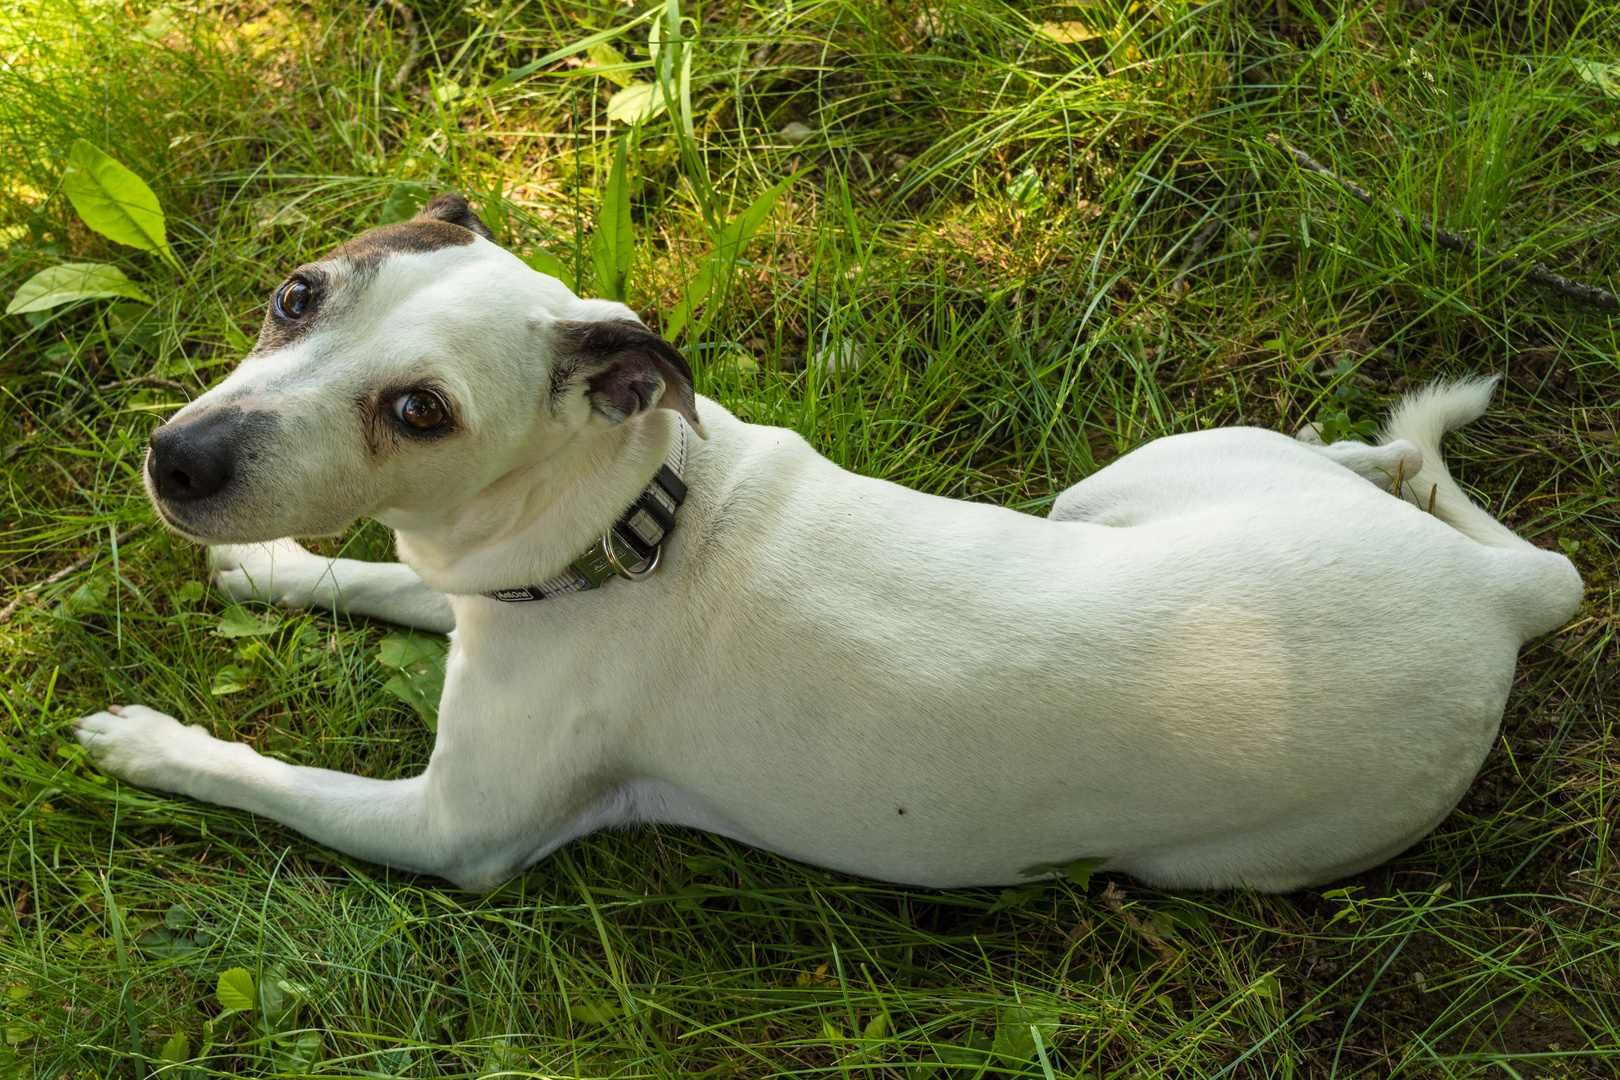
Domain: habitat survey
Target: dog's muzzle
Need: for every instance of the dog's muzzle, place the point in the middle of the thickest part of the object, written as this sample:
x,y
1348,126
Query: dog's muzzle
x,y
196,460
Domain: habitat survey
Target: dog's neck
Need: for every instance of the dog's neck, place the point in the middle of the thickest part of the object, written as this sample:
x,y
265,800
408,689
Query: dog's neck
x,y
533,522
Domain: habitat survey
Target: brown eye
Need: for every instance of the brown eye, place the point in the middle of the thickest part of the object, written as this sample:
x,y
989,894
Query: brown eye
x,y
293,299
420,409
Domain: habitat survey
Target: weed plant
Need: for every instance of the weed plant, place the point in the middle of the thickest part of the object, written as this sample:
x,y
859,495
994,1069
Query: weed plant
x,y
1014,241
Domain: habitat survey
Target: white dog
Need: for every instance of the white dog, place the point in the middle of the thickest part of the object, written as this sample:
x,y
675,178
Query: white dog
x,y
1230,658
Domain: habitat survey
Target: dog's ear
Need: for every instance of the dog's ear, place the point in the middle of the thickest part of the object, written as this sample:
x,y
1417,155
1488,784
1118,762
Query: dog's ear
x,y
624,369
452,207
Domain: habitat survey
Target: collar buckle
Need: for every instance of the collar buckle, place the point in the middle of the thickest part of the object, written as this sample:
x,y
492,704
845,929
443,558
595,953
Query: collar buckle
x,y
611,556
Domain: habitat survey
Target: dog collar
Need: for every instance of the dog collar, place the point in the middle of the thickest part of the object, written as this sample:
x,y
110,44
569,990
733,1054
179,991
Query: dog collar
x,y
629,549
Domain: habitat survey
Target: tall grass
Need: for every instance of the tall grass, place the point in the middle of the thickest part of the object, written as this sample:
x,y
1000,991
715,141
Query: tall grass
x,y
970,287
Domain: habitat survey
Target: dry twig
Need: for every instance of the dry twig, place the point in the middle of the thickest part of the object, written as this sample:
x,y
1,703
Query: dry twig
x,y
409,17
1590,295
144,380
35,589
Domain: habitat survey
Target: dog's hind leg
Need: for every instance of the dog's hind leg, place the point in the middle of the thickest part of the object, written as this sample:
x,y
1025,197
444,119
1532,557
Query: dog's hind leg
x,y
1383,466
285,573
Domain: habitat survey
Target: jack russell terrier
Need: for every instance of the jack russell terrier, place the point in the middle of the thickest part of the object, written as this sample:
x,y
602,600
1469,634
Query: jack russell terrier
x,y
1228,659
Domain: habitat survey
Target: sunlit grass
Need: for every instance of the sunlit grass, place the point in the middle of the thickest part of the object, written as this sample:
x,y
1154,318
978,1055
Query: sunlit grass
x,y
993,218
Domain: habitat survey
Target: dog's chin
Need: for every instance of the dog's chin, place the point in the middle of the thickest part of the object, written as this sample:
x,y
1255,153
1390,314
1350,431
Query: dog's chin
x,y
207,536
214,533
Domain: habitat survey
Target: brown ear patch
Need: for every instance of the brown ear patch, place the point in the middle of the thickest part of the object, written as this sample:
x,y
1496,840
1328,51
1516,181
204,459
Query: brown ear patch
x,y
446,221
625,369
406,238
452,207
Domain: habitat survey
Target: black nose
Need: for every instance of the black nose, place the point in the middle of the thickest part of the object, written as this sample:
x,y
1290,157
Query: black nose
x,y
194,460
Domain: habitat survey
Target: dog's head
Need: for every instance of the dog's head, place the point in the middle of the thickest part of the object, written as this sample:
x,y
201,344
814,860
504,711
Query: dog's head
x,y
408,369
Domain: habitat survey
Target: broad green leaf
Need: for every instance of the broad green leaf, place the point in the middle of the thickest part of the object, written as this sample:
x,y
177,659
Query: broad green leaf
x,y
547,263
1025,190
1072,32
230,679
604,55
637,102
68,282
404,200
177,1048
165,944
1013,899
418,680
240,622
87,599
236,991
404,647
115,202
298,1055
686,89
1079,871
158,23
133,324
1015,1032
614,241
1606,77
742,230
421,691
278,1000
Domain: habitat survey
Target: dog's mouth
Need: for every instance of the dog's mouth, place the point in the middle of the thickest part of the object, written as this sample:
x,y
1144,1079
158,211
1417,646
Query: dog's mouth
x,y
176,524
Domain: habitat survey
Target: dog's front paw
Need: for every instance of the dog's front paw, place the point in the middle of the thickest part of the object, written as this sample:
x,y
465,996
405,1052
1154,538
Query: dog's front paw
x,y
281,572
141,745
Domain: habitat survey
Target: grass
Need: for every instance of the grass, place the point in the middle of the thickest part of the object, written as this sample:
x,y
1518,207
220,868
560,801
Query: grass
x,y
993,221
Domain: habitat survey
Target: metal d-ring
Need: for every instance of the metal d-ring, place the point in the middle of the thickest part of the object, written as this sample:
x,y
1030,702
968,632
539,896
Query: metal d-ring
x,y
620,569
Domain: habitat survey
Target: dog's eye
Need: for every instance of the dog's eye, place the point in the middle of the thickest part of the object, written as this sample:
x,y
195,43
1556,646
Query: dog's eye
x,y
294,299
420,409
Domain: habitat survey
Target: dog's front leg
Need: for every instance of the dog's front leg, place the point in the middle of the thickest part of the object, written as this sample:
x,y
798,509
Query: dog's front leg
x,y
286,573
455,820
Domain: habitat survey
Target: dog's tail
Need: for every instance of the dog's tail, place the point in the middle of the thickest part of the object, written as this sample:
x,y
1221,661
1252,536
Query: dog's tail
x,y
1421,419
1546,587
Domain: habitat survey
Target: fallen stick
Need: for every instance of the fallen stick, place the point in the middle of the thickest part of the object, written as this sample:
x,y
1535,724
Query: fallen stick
x,y
40,586
144,380
409,18
1590,295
